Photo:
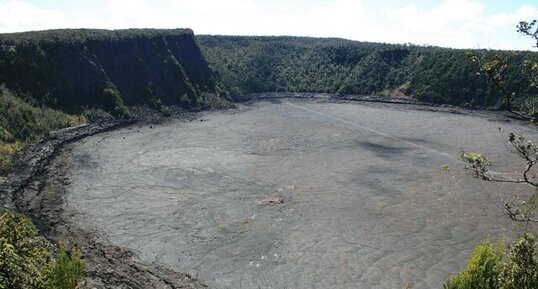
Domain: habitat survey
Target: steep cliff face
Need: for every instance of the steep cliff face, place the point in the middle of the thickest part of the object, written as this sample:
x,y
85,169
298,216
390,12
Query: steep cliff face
x,y
72,69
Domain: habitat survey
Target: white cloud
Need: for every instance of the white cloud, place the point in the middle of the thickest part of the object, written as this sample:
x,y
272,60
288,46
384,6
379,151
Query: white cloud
x,y
458,10
526,12
339,18
119,14
223,17
253,17
458,23
445,25
17,15
453,23
129,12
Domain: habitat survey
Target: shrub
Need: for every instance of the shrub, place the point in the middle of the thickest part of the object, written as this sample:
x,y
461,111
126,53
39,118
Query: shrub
x,y
488,268
483,268
96,115
6,152
67,272
21,123
520,271
19,120
113,103
26,260
185,101
24,256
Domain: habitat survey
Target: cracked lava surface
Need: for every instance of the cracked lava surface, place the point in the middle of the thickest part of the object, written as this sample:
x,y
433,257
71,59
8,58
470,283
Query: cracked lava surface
x,y
362,201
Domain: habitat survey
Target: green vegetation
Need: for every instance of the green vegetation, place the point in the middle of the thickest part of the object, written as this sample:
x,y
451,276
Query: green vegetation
x,y
81,36
483,269
22,123
298,64
112,101
24,256
58,78
26,260
103,72
520,271
96,115
496,69
487,268
490,268
67,272
83,69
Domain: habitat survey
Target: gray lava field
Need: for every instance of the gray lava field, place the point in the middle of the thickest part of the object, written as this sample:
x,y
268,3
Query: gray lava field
x,y
296,193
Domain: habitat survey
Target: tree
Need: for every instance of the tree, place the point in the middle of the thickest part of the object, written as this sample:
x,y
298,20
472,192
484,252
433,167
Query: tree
x,y
494,67
518,210
27,259
483,268
24,256
527,28
519,268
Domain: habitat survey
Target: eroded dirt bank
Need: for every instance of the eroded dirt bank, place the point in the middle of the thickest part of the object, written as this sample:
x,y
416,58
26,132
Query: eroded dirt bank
x,y
359,197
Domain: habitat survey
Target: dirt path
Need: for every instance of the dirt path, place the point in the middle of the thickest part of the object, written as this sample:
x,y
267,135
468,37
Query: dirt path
x,y
294,193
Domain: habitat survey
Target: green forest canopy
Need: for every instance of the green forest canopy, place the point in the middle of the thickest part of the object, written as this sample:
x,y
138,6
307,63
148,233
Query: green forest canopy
x,y
330,65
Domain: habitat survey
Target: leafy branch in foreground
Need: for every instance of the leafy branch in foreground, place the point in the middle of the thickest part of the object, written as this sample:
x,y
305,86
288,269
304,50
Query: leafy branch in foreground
x,y
528,29
488,267
478,165
495,68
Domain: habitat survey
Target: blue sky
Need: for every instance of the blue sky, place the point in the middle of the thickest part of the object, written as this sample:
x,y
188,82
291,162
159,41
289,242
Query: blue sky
x,y
447,23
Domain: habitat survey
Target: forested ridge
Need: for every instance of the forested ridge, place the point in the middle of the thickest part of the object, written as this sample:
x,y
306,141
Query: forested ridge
x,y
89,74
73,69
301,64
107,69
57,78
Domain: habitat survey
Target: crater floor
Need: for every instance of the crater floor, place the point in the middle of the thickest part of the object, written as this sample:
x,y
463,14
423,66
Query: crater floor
x,y
360,200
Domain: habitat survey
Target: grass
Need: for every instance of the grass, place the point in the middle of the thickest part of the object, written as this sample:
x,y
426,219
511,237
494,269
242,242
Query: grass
x,y
22,123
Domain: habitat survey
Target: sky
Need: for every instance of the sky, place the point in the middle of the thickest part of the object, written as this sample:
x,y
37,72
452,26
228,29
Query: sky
x,y
447,23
